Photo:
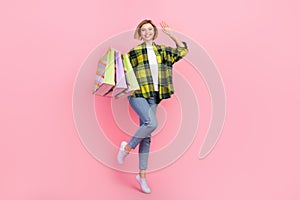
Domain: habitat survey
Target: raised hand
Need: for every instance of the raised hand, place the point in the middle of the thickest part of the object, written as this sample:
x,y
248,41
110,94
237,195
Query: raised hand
x,y
166,29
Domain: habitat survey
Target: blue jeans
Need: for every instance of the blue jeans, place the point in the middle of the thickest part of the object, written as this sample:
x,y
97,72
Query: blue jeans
x,y
146,110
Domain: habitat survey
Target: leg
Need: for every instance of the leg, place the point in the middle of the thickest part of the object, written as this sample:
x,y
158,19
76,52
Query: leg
x,y
144,150
146,109
144,147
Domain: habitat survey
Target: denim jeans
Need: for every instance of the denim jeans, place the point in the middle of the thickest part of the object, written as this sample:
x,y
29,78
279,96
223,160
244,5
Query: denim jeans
x,y
146,110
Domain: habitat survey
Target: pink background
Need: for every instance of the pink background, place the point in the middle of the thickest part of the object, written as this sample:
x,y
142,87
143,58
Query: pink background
x,y
255,45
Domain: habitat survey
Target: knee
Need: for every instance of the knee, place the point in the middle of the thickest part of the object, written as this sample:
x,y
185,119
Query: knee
x,y
151,125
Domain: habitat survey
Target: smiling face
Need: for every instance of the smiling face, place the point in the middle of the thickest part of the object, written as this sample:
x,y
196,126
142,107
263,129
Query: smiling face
x,y
147,32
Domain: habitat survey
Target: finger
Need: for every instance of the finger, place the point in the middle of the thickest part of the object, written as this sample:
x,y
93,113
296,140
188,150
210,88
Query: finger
x,y
165,24
161,24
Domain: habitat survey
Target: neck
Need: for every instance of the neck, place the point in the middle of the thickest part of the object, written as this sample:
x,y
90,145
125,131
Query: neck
x,y
149,42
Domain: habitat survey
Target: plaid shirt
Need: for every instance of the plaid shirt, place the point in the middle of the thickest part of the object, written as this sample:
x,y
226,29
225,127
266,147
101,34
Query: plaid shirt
x,y
166,57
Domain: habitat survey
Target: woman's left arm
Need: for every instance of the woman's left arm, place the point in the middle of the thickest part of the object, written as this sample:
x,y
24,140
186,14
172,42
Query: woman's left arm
x,y
167,30
175,53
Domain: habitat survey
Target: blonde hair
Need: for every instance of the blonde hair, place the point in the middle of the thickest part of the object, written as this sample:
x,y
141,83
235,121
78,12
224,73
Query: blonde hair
x,y
137,33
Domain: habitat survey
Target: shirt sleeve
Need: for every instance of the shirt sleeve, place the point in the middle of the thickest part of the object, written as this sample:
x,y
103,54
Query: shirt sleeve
x,y
175,54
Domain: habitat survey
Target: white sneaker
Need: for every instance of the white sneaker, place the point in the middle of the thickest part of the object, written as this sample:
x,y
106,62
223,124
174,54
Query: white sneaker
x,y
143,183
122,154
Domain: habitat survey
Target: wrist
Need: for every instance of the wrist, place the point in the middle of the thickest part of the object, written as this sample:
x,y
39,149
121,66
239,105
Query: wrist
x,y
171,35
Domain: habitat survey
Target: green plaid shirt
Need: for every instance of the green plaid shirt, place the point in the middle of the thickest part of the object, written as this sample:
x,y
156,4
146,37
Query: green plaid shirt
x,y
166,57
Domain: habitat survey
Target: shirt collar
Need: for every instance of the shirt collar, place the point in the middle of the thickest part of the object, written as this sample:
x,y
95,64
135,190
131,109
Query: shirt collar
x,y
145,46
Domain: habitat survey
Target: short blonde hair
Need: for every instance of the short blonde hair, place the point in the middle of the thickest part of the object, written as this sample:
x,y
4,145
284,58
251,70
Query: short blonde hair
x,y
137,33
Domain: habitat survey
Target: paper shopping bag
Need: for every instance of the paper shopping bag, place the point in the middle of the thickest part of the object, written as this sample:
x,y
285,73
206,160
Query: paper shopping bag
x,y
105,74
121,84
132,83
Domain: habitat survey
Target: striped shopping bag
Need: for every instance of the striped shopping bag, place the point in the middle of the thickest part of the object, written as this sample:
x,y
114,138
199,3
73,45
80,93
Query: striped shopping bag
x,y
105,74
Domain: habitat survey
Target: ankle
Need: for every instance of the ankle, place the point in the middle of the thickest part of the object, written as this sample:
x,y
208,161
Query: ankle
x,y
142,174
127,148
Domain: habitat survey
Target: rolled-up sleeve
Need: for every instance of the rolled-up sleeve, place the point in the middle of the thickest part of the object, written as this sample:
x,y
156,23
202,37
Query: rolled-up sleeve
x,y
175,54
182,51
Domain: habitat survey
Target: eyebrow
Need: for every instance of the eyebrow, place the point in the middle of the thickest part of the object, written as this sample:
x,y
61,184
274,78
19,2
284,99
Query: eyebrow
x,y
146,28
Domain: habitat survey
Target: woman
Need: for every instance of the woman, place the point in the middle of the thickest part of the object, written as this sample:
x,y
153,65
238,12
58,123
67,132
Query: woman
x,y
152,64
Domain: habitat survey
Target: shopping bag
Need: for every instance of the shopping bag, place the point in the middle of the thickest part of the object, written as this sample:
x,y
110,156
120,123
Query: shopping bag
x,y
105,74
121,84
132,83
